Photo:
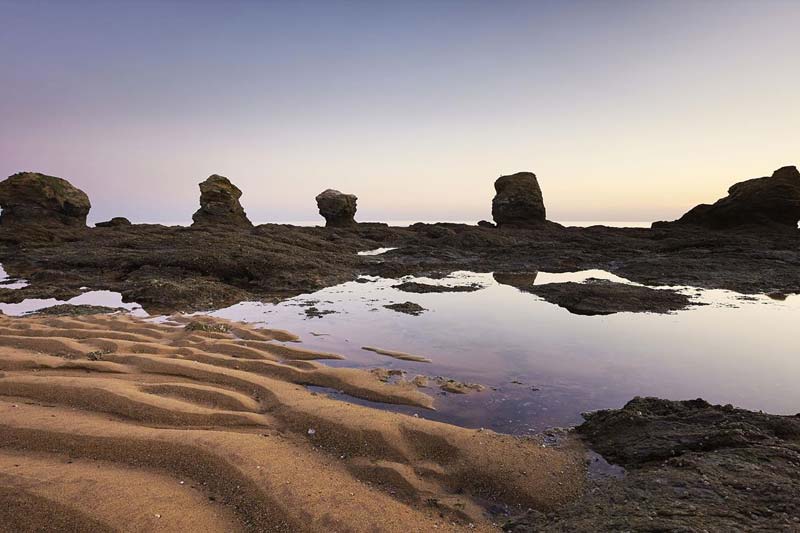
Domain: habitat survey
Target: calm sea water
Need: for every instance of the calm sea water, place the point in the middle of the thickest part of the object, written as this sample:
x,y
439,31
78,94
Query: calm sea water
x,y
542,365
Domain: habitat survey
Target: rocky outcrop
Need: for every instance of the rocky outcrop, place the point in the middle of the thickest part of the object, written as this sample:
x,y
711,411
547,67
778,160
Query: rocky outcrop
x,y
219,204
30,198
114,223
339,209
603,297
760,201
518,201
689,466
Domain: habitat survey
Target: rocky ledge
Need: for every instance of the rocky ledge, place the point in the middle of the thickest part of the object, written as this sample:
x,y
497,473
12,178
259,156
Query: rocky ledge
x,y
603,297
690,466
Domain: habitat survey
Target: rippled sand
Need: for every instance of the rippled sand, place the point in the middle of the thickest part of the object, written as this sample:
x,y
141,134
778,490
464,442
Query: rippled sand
x,y
111,422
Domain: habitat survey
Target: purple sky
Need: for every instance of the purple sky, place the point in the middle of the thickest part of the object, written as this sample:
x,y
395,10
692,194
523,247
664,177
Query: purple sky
x,y
626,110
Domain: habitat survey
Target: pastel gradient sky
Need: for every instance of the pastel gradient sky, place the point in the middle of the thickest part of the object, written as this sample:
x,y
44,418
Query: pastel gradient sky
x,y
626,110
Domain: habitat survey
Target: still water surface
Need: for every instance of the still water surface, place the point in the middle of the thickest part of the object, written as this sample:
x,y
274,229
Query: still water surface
x,y
542,365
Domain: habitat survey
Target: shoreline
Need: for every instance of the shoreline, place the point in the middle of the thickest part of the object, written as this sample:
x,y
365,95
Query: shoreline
x,y
117,394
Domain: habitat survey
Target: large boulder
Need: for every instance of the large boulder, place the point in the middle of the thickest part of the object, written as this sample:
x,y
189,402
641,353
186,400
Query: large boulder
x,y
30,198
760,201
219,204
518,201
338,208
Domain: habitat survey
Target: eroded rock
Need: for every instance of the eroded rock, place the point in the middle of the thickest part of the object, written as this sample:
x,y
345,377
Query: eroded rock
x,y
30,198
760,201
518,201
338,208
219,204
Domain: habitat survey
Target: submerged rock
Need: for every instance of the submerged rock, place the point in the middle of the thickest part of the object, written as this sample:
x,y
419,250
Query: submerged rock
x,y
114,223
408,308
219,204
518,201
339,209
603,297
760,201
37,199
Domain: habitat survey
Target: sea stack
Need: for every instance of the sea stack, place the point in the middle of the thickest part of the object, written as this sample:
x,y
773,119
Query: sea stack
x,y
518,202
338,208
219,204
30,198
772,200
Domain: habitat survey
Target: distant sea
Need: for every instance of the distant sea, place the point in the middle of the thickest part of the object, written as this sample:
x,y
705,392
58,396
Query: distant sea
x,y
404,223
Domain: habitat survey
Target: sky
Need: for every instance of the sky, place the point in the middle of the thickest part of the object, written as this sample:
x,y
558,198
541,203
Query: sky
x,y
625,110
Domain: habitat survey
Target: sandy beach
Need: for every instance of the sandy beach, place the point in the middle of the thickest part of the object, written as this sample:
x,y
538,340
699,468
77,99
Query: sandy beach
x,y
114,423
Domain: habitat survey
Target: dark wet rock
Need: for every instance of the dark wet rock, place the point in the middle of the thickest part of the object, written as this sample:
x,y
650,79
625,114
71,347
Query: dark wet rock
x,y
408,308
760,201
30,198
603,297
518,201
690,466
339,209
422,288
219,204
313,312
207,326
486,224
77,310
454,386
114,223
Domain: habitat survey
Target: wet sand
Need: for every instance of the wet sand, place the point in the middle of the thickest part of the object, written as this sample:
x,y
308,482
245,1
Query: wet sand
x,y
114,423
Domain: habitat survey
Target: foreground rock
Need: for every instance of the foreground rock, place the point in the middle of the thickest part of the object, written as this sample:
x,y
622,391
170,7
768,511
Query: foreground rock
x,y
30,198
602,297
219,204
691,466
518,201
338,209
760,201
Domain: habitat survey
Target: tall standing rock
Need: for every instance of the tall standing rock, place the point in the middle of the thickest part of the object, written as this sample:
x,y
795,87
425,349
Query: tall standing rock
x,y
30,198
219,204
339,209
760,201
518,201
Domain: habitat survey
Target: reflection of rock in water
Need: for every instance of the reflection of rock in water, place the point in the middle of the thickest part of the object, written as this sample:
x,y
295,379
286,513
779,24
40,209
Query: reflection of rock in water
x,y
520,280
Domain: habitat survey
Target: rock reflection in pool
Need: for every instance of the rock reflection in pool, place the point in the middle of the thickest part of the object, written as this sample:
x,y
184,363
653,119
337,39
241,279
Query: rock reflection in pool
x,y
544,365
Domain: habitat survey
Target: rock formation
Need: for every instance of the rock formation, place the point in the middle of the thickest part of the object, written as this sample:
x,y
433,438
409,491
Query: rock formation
x,y
31,198
339,209
219,204
114,223
759,201
518,201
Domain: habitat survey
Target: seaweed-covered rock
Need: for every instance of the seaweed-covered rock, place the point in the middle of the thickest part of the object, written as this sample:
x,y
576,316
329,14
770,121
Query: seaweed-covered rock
x,y
114,223
338,208
219,204
760,201
518,201
30,198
